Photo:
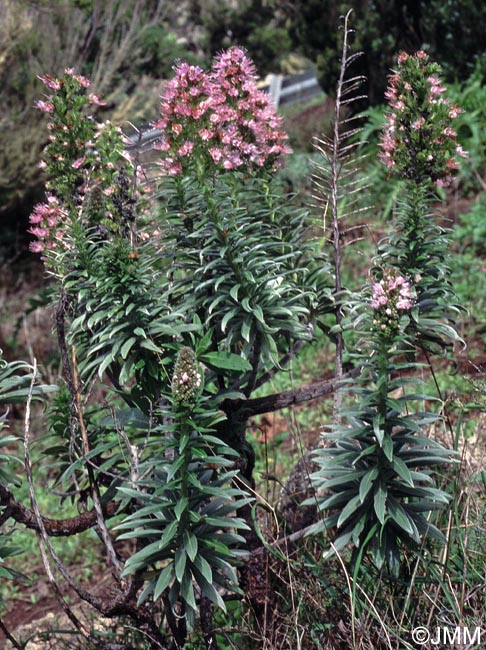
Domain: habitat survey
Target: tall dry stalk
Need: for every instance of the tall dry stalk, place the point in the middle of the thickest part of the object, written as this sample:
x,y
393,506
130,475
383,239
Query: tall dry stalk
x,y
335,178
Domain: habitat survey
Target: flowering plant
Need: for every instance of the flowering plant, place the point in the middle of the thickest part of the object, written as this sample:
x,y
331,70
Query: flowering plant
x,y
187,378
419,142
376,481
219,120
87,170
181,324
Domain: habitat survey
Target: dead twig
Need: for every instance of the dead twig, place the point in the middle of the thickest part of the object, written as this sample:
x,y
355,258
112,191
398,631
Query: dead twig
x,y
95,494
42,535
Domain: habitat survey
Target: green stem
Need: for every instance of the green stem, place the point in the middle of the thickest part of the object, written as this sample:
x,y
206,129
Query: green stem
x,y
383,375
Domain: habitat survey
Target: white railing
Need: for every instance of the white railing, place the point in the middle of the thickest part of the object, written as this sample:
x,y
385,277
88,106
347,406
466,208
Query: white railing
x,y
292,89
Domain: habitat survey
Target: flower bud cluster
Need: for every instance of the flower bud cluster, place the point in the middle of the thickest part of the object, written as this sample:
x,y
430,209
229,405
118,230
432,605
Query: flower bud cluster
x,y
392,296
187,378
418,142
219,120
82,154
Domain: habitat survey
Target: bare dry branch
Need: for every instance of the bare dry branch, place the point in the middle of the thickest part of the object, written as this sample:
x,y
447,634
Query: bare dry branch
x,y
245,409
42,536
53,527
95,494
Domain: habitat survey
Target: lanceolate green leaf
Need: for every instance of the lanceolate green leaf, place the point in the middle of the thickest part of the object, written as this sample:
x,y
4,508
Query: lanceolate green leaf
x,y
367,482
402,470
349,510
400,517
180,563
187,591
387,446
190,545
204,567
166,576
379,501
225,360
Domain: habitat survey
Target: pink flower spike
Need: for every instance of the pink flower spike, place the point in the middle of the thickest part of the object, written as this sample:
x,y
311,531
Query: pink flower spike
x,y
393,283
443,182
36,216
378,289
186,148
206,134
38,232
175,169
216,154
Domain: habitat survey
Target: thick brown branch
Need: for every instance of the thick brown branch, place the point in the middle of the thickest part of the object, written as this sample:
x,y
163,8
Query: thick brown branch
x,y
298,345
54,527
243,409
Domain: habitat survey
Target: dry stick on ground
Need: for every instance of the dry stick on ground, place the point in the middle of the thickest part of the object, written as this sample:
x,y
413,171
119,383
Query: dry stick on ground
x,y
95,494
53,527
464,569
12,639
42,535
350,590
61,308
121,603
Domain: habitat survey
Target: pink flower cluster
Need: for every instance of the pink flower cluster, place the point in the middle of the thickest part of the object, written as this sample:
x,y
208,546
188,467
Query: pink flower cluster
x,y
56,84
391,297
47,225
219,118
392,292
83,161
418,142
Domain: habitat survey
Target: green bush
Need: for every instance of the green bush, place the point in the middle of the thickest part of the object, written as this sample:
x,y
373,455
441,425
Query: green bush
x,y
179,294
